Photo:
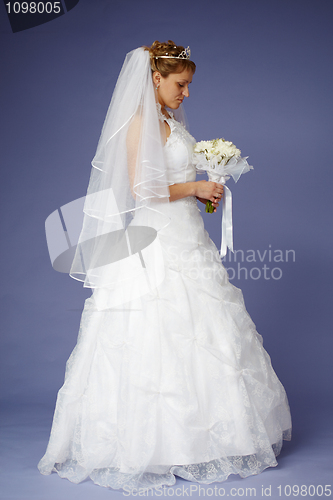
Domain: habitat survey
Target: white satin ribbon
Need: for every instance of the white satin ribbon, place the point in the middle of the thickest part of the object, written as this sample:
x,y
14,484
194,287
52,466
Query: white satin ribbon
x,y
227,229
227,232
220,173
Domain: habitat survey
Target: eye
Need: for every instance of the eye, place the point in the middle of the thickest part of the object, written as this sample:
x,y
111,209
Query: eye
x,y
180,85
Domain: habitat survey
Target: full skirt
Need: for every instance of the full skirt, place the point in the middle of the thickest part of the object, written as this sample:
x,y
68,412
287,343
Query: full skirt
x,y
169,380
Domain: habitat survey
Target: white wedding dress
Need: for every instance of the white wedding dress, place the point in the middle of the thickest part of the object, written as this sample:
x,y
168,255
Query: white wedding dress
x,y
172,383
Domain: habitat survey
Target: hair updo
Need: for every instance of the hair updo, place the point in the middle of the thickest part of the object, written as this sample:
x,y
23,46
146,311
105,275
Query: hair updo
x,y
167,66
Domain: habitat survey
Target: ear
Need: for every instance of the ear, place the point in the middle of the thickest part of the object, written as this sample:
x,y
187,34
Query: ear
x,y
157,77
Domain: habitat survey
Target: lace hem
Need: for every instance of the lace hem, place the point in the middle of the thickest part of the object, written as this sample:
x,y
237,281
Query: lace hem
x,y
156,477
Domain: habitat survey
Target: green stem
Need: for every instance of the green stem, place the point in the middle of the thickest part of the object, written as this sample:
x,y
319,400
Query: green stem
x,y
209,207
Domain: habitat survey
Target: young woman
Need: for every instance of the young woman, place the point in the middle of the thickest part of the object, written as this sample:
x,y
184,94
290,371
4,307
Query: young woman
x,y
169,376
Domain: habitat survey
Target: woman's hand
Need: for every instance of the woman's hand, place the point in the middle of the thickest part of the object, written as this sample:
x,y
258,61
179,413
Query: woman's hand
x,y
207,190
203,190
204,201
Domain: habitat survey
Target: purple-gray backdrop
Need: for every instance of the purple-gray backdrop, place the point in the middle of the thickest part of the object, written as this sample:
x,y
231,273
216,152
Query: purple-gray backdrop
x,y
264,81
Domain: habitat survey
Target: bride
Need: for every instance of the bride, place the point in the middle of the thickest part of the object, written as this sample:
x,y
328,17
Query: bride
x,y
169,376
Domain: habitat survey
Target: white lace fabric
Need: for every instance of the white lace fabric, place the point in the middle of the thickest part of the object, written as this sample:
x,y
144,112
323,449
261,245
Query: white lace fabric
x,y
175,382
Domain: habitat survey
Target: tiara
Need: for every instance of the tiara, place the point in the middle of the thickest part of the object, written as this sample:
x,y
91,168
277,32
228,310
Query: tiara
x,y
185,54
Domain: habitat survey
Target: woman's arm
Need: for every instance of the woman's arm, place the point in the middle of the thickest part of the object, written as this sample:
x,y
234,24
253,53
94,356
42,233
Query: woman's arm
x,y
203,190
133,143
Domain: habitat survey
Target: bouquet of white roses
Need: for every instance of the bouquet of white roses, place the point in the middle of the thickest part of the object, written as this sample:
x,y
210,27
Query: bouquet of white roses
x,y
221,159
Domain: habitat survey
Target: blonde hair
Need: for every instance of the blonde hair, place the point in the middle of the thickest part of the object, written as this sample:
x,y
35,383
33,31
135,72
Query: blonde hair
x,y
167,66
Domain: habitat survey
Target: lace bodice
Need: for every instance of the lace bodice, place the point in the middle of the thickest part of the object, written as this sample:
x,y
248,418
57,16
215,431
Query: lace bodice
x,y
178,151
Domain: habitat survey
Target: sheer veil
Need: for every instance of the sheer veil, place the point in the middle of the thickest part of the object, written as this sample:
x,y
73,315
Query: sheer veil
x,y
128,175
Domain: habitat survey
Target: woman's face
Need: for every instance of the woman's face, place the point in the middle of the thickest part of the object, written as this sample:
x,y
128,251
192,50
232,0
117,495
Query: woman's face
x,y
172,89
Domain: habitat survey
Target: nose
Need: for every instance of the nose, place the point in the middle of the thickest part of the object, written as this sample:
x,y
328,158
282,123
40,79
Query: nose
x,y
186,92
